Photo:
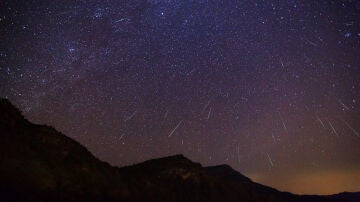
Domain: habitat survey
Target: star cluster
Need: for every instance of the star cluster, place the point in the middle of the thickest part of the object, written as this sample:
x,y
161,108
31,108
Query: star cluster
x,y
271,88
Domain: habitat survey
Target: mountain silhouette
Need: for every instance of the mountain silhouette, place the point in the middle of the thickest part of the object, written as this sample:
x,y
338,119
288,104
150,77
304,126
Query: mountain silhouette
x,y
38,163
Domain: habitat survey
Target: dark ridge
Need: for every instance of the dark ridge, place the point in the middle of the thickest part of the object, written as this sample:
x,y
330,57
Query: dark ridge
x,y
10,115
178,160
347,196
170,159
38,163
227,172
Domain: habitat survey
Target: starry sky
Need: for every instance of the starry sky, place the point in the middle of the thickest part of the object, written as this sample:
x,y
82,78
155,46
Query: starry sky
x,y
270,87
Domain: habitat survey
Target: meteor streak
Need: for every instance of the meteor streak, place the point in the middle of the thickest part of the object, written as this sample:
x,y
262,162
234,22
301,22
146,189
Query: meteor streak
x,y
269,159
175,128
353,130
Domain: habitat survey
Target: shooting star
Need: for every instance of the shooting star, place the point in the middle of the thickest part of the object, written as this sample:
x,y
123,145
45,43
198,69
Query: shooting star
x,y
349,23
340,102
131,116
273,137
333,129
322,123
283,123
121,136
122,19
175,128
207,104
282,63
353,130
208,117
192,71
307,59
310,42
320,39
166,114
269,159
238,153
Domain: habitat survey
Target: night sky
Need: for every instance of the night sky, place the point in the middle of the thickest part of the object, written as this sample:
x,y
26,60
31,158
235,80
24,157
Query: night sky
x,y
271,88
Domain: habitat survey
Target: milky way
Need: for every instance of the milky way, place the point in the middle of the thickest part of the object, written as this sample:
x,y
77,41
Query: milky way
x,y
271,88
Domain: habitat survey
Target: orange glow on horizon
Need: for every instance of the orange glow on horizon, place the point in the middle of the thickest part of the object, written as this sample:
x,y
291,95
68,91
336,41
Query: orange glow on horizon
x,y
313,182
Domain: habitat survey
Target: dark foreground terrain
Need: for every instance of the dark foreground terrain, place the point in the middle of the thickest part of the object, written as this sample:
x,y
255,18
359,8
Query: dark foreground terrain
x,y
37,163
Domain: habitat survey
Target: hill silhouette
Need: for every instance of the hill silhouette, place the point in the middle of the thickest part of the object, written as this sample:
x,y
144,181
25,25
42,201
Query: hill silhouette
x,y
38,163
